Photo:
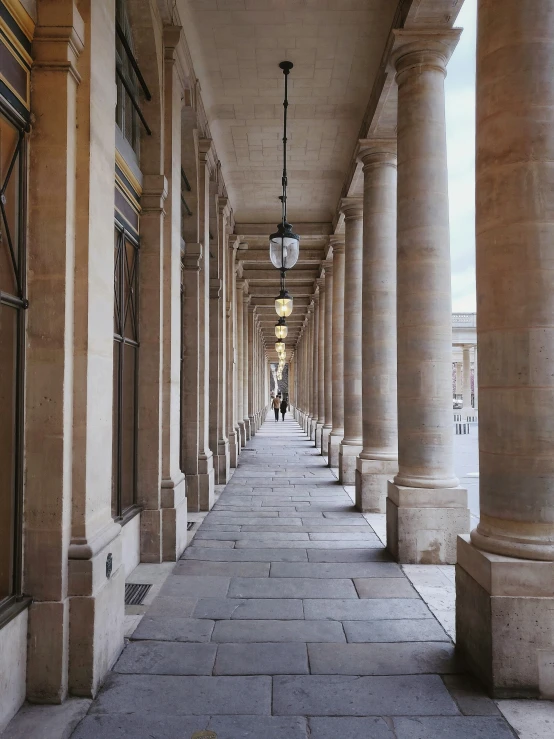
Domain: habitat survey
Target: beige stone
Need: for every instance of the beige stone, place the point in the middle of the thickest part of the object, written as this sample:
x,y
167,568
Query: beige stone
x,y
337,432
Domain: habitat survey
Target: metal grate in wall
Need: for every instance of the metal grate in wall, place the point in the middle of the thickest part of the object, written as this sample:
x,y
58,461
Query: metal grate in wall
x,y
135,593
190,524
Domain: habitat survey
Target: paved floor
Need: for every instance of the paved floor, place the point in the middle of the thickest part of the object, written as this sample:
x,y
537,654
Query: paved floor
x,y
286,619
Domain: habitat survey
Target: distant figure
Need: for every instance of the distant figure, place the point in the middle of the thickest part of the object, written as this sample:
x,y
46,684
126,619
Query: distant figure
x,y
276,404
284,406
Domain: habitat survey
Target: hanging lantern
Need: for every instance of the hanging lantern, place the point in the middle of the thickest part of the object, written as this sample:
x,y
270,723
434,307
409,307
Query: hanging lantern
x,y
284,247
281,329
279,346
283,304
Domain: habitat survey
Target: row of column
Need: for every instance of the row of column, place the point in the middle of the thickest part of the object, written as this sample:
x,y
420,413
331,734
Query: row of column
x,y
388,391
463,381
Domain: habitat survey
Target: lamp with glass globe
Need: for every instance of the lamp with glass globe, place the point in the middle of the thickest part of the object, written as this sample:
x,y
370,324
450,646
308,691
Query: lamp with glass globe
x,y
279,345
281,329
283,304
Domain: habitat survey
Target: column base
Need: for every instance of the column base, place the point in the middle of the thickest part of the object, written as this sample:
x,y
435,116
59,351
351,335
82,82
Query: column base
x,y
318,429
372,476
96,613
247,429
206,481
252,426
313,426
221,463
348,453
309,426
504,625
423,523
234,449
333,450
325,433
242,432
173,525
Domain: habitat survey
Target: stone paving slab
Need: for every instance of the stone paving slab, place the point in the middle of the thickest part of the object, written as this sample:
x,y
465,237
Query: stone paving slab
x,y
184,696
293,587
349,555
261,659
167,658
278,631
249,608
383,659
385,587
385,570
193,586
330,695
170,628
322,544
351,728
230,569
462,727
244,555
366,610
395,630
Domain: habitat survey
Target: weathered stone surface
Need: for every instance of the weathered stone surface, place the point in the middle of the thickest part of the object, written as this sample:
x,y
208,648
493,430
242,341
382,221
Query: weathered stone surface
x,y
194,586
329,695
385,587
337,570
382,659
350,728
366,610
166,658
184,696
169,628
262,659
226,569
252,608
294,587
277,631
252,555
459,727
398,630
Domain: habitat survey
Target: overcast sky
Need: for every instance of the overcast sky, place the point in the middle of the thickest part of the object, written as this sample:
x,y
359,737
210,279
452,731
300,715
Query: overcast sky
x,y
460,129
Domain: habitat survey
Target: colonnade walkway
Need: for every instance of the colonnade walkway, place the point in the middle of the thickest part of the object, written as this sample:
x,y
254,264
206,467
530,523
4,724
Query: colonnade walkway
x,y
286,619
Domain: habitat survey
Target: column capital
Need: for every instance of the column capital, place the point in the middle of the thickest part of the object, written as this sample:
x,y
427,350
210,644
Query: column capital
x,y
215,287
337,243
421,49
247,297
154,193
352,208
251,306
59,38
233,244
171,38
242,284
321,284
192,257
377,152
328,266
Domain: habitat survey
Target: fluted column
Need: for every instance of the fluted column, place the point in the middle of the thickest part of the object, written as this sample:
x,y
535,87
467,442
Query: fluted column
x,y
251,318
320,363
328,358
351,444
475,380
337,432
426,509
246,361
505,598
378,460
241,285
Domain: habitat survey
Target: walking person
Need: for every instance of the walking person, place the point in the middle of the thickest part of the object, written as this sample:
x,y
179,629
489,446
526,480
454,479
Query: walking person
x,y
276,404
284,406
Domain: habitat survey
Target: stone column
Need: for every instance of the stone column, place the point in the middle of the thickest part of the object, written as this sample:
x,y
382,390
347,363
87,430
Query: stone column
x,y
309,369
458,378
219,377
320,363
315,366
245,363
337,432
171,518
475,381
251,322
328,358
232,424
241,286
505,596
426,509
378,460
205,455
351,444
466,391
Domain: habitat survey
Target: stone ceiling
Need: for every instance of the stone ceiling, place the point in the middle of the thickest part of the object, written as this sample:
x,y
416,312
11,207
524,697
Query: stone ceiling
x,y
336,47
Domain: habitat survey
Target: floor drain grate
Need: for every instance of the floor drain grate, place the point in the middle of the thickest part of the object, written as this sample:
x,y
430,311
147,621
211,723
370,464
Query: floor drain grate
x,y
190,524
135,593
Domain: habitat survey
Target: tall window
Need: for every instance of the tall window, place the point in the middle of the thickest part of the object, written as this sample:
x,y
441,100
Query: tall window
x,y
125,372
12,323
130,82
